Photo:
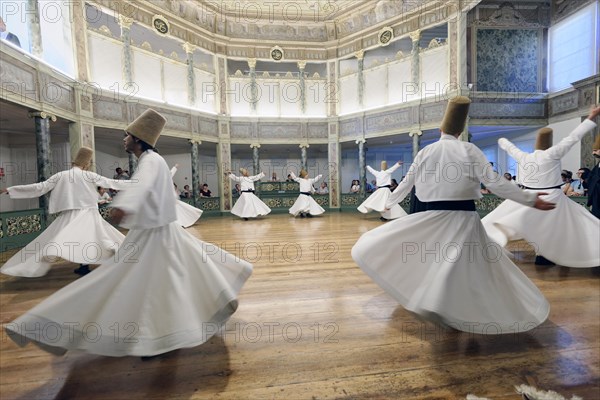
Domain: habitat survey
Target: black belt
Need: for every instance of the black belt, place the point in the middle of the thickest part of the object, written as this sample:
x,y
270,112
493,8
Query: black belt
x,y
248,191
306,193
386,186
544,188
451,205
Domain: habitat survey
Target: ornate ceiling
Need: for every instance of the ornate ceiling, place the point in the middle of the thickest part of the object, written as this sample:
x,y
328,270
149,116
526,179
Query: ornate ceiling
x,y
282,11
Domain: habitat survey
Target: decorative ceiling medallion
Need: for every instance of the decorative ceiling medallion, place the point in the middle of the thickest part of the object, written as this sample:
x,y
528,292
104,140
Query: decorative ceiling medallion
x,y
161,24
385,36
277,53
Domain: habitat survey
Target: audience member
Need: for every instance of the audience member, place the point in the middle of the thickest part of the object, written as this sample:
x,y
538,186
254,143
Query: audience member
x,y
6,35
204,192
103,196
323,189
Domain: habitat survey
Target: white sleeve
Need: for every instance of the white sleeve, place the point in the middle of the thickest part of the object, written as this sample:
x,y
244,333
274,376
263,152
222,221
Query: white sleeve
x,y
559,150
405,186
497,183
34,189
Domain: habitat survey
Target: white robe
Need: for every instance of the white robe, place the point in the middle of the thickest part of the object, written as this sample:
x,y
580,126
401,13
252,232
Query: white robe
x,y
378,199
248,204
164,290
187,215
305,203
441,264
569,235
79,234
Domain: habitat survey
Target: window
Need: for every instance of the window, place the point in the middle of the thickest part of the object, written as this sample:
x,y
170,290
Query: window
x,y
572,50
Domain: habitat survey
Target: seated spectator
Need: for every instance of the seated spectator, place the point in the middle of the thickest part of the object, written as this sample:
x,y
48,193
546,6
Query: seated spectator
x,y
186,193
120,174
323,189
274,177
103,196
204,192
579,186
6,35
484,190
371,187
355,187
237,190
567,177
289,178
393,184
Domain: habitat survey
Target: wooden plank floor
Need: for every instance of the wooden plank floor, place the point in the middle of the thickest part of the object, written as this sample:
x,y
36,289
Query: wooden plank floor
x,y
312,325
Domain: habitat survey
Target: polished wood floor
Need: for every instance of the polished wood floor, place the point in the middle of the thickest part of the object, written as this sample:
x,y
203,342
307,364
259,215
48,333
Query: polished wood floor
x,y
312,325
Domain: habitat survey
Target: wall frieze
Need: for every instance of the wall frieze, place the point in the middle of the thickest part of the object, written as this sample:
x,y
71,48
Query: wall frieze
x,y
507,110
563,103
110,109
388,121
279,130
317,131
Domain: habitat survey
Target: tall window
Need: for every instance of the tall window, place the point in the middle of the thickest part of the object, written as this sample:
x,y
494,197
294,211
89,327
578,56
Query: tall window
x,y
573,48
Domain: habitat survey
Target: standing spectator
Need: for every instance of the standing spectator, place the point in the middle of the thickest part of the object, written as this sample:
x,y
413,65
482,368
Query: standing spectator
x,y
355,187
594,181
274,177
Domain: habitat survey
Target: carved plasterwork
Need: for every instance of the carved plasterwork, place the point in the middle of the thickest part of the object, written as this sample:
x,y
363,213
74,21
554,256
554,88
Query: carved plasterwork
x,y
564,103
350,128
279,131
508,16
387,121
507,110
317,131
110,110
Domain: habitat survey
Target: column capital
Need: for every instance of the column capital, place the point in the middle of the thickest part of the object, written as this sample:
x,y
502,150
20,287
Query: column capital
x,y
301,65
195,141
415,35
360,140
360,54
252,62
124,21
188,47
255,145
304,145
417,133
42,114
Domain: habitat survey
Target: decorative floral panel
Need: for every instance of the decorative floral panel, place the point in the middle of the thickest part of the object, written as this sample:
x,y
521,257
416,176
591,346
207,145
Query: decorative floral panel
x,y
507,60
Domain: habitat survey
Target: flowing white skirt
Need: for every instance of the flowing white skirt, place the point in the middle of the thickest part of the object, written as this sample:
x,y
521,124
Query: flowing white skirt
x,y
80,236
306,204
569,235
249,206
376,202
442,266
187,215
166,290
